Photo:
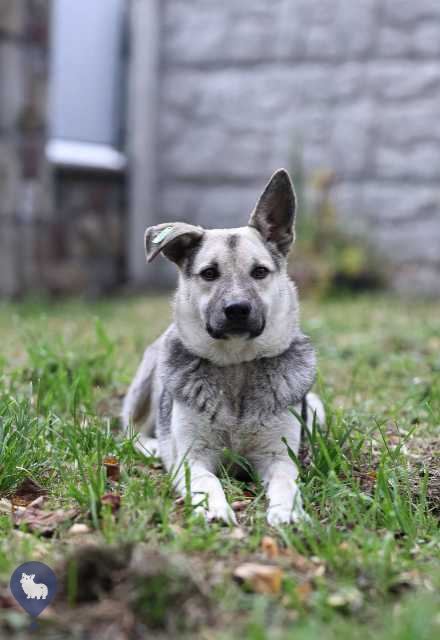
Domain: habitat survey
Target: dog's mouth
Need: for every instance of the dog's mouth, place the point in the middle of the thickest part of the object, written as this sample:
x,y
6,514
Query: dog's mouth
x,y
225,332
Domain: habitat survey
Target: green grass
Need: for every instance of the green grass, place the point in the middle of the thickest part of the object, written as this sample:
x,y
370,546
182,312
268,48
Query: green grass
x,y
371,479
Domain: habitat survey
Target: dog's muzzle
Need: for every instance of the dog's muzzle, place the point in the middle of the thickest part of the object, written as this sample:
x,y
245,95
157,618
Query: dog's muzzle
x,y
237,320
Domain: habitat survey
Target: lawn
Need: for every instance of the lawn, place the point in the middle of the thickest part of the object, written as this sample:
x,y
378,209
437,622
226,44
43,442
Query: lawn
x,y
132,560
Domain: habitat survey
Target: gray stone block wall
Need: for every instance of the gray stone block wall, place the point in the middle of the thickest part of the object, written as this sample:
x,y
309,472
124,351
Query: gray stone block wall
x,y
25,202
351,86
61,231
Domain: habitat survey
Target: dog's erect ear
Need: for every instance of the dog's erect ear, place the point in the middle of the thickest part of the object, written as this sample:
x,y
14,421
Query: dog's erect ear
x,y
174,239
274,215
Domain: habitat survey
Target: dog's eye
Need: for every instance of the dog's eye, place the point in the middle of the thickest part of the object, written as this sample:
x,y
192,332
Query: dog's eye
x,y
259,272
210,273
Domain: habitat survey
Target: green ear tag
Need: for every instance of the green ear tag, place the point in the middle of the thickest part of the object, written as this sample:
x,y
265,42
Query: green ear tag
x,y
162,235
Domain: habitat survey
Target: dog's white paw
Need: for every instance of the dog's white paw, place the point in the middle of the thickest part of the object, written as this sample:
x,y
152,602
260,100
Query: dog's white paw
x,y
218,513
279,515
147,446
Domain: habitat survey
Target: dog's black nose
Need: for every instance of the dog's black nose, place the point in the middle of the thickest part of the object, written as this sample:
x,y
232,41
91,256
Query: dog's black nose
x,y
237,311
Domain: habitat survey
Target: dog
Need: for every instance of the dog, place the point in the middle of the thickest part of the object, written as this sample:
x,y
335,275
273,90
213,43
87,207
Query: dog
x,y
226,373
31,589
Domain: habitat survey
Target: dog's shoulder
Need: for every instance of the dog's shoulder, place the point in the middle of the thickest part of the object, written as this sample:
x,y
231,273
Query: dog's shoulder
x,y
273,384
188,378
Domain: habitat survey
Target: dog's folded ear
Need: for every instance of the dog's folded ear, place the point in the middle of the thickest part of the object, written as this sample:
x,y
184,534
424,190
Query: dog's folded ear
x,y
274,214
173,239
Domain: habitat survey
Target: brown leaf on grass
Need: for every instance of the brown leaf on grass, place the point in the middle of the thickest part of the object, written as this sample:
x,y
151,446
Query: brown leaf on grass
x,y
304,592
260,578
299,562
269,547
17,503
27,491
112,468
113,500
43,522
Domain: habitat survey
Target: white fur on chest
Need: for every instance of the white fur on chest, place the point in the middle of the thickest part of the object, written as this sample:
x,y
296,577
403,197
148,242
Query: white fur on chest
x,y
193,432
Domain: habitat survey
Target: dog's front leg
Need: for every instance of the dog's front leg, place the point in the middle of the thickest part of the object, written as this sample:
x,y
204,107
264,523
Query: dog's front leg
x,y
279,473
207,495
192,452
283,494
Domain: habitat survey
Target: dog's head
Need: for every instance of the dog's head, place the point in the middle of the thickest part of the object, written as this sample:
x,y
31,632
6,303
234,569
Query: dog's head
x,y
26,578
235,301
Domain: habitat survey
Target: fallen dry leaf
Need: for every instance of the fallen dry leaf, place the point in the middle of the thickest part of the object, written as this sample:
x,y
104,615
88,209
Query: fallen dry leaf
x,y
17,502
39,521
27,491
113,500
261,578
299,562
19,506
269,547
112,468
304,592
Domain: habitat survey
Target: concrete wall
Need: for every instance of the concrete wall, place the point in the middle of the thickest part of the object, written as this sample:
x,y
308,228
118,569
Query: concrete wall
x,y
350,86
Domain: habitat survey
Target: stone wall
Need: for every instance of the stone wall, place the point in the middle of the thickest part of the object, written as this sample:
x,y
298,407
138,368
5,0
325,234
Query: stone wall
x,y
350,86
89,233
61,231
24,205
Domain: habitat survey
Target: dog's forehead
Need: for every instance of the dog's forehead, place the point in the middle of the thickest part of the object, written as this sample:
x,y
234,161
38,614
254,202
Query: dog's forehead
x,y
222,245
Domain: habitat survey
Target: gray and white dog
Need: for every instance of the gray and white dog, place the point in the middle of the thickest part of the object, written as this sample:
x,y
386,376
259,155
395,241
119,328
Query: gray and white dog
x,y
225,374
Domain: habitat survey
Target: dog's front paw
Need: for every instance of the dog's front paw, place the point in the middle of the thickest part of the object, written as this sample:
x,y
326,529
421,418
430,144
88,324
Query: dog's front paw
x,y
279,515
218,513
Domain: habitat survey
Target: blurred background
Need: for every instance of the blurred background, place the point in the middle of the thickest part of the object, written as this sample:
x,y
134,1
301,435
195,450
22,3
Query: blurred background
x,y
119,114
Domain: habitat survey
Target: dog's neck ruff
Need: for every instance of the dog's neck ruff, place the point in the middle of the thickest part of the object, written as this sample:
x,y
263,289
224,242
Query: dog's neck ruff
x,y
250,390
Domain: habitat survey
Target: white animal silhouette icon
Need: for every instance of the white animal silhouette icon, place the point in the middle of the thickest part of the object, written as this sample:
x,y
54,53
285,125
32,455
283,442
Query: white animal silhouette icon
x,y
31,589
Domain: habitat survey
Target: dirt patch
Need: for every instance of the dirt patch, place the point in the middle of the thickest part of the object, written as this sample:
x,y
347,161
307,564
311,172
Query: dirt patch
x,y
126,592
